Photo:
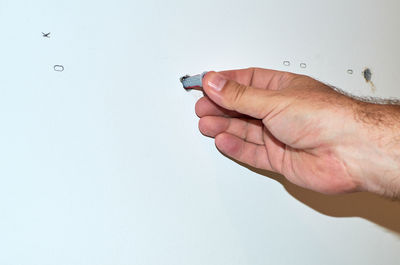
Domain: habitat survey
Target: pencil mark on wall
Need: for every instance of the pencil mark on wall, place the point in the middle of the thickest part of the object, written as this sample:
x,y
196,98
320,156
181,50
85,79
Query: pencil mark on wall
x,y
367,74
58,68
46,35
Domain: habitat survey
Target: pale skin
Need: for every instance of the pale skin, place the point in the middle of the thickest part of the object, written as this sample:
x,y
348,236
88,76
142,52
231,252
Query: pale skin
x,y
303,129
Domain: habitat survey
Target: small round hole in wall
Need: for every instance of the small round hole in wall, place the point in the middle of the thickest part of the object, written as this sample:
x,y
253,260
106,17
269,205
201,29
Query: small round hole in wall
x,y
367,73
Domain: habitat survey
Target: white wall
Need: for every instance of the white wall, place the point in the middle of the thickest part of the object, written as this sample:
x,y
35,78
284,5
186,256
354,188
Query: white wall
x,y
103,163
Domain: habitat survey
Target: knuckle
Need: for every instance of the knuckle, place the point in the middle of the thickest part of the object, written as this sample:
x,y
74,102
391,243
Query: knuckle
x,y
253,69
238,92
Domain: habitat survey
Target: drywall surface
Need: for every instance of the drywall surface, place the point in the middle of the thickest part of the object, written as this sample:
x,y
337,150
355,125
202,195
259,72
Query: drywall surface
x,y
101,161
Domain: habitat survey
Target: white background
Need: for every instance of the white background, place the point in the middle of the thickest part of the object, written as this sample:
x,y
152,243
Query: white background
x,y
103,163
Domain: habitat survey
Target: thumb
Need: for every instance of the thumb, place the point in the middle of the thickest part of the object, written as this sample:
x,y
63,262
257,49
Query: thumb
x,y
254,102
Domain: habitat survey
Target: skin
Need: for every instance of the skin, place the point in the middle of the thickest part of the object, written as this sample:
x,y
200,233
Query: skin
x,y
303,129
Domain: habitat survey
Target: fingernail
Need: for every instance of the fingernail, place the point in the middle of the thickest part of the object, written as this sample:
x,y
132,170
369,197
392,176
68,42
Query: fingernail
x,y
217,82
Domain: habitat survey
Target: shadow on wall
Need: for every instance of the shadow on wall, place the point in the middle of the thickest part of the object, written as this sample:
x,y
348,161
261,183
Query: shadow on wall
x,y
379,210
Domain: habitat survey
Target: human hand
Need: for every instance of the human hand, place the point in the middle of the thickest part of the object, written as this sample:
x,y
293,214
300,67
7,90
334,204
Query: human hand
x,y
299,127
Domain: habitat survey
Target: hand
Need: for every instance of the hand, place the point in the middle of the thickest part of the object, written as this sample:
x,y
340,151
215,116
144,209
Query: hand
x,y
294,125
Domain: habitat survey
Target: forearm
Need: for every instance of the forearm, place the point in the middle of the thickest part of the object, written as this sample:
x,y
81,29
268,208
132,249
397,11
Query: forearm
x,y
380,154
